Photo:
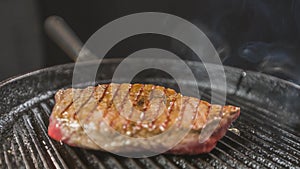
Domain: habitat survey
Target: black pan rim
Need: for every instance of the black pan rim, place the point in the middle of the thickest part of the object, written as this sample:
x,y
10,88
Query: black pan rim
x,y
67,65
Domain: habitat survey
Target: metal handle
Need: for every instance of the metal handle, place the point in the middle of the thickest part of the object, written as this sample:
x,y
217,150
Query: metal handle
x,y
63,35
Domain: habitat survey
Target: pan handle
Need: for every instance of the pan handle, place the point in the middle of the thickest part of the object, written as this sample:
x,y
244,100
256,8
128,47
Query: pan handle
x,y
67,40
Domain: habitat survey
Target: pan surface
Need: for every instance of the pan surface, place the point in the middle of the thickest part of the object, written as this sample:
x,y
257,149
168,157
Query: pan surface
x,y
268,137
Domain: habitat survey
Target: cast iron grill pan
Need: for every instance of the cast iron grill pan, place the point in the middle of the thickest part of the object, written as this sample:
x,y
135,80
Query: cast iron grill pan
x,y
268,124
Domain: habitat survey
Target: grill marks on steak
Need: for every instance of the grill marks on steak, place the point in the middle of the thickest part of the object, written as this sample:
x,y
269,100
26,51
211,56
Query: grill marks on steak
x,y
136,110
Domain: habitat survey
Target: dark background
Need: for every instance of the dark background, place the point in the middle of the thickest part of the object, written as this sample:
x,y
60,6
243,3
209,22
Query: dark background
x,y
250,34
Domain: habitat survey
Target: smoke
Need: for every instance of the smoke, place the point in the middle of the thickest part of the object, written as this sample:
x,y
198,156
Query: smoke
x,y
281,60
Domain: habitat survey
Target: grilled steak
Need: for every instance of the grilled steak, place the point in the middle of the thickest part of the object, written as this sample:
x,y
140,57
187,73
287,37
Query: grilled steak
x,y
136,111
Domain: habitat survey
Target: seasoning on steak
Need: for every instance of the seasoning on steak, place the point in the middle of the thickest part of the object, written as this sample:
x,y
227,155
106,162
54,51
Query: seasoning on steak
x,y
137,111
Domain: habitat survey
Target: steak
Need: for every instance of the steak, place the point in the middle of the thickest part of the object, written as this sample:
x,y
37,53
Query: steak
x,y
85,117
